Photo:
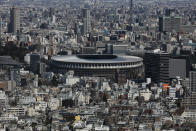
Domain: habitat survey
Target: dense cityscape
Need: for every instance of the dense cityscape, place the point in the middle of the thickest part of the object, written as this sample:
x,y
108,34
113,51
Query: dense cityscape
x,y
97,65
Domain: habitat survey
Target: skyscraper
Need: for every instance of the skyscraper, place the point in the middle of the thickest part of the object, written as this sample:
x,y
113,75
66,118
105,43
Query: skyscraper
x,y
34,61
131,13
169,23
15,76
51,12
0,26
157,66
14,25
189,100
86,20
193,81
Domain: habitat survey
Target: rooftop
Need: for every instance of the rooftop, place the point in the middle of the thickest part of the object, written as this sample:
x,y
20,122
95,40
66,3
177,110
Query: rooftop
x,y
96,59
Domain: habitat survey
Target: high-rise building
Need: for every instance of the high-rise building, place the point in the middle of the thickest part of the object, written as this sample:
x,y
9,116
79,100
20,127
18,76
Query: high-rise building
x,y
51,12
192,76
0,26
167,12
131,13
14,25
15,76
34,60
78,28
189,100
170,23
157,66
86,20
41,68
177,67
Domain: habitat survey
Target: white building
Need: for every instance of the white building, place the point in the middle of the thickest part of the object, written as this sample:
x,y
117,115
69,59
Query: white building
x,y
146,94
17,111
72,80
102,128
41,106
172,92
25,100
189,113
54,103
82,98
11,85
8,117
27,58
3,99
105,87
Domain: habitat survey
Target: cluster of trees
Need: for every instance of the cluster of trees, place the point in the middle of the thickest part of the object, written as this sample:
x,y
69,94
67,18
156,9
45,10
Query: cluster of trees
x,y
179,111
15,52
185,126
44,26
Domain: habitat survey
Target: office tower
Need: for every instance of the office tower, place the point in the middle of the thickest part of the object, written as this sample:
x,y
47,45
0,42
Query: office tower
x,y
14,25
41,68
192,75
177,67
181,66
189,100
34,60
51,12
157,66
169,24
86,20
131,12
15,76
167,12
0,26
77,29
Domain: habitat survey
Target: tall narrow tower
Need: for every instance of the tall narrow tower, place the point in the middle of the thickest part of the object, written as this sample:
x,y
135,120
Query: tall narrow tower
x,y
0,26
131,12
14,25
192,76
86,20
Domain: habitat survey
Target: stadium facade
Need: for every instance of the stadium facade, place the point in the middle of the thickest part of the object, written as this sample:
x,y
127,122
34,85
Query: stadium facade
x,y
117,68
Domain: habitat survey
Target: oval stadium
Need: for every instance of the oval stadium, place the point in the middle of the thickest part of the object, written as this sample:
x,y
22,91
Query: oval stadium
x,y
118,68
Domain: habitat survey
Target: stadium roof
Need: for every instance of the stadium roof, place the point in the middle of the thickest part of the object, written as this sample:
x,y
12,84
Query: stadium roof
x,y
96,59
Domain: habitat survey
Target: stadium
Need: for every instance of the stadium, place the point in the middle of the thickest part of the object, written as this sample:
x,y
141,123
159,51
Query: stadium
x,y
118,68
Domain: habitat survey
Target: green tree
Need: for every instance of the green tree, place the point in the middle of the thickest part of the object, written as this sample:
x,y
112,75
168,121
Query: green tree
x,y
55,81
